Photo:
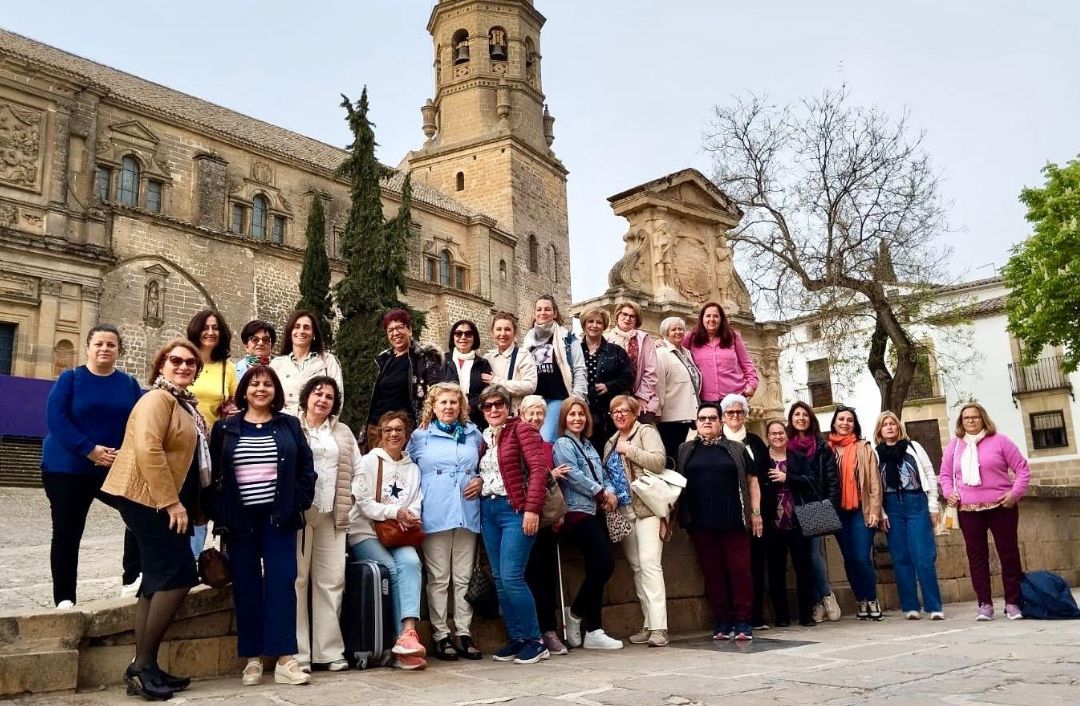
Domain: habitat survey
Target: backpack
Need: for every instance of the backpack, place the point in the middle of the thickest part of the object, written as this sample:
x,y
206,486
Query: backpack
x,y
1046,596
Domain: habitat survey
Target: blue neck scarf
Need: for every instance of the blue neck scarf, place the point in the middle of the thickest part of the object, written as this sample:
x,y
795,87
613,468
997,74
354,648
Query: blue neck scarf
x,y
455,430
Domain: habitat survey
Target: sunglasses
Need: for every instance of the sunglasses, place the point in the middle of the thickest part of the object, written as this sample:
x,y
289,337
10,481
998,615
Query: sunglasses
x,y
393,430
258,340
177,362
708,418
462,334
497,404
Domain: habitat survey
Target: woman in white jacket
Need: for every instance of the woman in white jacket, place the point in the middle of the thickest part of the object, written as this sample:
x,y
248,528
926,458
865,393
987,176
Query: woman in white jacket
x,y
303,357
910,508
399,499
678,385
560,362
511,367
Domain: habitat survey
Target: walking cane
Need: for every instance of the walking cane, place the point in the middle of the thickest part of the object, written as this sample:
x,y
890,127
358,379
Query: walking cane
x,y
562,596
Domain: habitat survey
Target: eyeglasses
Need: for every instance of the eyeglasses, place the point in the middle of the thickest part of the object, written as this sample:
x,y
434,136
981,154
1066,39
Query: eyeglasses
x,y
708,418
260,340
462,334
620,412
177,362
735,413
626,315
393,430
971,419
391,330
496,404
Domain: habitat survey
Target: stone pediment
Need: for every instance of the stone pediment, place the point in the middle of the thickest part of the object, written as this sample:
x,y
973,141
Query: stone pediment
x,y
687,191
136,131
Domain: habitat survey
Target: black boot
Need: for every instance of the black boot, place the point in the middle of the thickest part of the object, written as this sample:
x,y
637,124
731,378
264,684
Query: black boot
x,y
173,682
146,682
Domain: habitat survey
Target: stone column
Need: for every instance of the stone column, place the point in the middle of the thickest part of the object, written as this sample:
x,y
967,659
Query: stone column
x,y
43,338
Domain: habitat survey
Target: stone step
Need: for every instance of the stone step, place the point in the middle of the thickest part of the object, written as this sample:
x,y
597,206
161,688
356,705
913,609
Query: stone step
x,y
20,463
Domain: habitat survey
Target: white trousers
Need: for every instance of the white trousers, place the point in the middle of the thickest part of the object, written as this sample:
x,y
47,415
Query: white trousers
x,y
449,558
644,552
320,564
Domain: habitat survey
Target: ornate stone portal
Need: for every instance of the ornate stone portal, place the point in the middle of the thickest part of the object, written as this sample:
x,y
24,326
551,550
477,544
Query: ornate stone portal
x,y
677,258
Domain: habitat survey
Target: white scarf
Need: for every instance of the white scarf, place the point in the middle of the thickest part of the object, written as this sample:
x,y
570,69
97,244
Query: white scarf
x,y
969,461
621,338
739,436
464,369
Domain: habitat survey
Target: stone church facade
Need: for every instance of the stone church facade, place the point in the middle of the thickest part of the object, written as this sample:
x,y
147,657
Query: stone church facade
x,y
124,201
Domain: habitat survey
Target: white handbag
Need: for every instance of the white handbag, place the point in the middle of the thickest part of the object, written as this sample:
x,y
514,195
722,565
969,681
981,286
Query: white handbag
x,y
659,491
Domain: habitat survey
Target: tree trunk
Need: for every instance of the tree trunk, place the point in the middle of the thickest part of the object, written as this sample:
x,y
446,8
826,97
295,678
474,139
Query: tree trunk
x,y
893,386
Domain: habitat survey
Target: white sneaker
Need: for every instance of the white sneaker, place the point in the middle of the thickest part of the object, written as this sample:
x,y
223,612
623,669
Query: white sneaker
x,y
600,640
912,615
832,608
130,590
819,612
573,630
937,615
65,605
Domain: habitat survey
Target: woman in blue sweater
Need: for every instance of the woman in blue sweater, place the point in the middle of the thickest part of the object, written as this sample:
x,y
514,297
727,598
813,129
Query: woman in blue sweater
x,y
86,413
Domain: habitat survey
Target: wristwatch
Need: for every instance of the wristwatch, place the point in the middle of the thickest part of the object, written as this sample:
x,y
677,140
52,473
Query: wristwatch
x,y
756,511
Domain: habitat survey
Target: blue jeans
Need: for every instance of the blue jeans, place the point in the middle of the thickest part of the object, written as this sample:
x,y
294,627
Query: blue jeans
x,y
820,569
263,565
403,565
913,549
508,549
550,431
857,546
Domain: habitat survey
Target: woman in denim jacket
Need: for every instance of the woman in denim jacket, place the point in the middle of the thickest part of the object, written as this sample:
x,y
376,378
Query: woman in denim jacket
x,y
446,447
586,498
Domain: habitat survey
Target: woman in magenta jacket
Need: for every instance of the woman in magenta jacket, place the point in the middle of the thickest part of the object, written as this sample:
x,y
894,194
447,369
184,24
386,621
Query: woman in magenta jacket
x,y
975,476
721,356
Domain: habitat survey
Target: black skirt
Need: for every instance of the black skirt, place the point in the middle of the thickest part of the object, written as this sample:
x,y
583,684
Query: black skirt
x,y
167,560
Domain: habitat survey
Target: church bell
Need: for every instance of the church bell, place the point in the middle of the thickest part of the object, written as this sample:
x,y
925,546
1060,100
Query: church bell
x,y
461,53
498,52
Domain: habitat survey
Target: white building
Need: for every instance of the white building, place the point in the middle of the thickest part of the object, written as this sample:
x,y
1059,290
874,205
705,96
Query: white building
x,y
975,358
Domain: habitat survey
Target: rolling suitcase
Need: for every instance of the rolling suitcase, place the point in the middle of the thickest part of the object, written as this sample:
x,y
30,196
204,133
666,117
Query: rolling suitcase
x,y
367,615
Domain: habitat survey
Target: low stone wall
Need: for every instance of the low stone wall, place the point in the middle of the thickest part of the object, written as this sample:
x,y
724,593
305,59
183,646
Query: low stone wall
x,y
63,650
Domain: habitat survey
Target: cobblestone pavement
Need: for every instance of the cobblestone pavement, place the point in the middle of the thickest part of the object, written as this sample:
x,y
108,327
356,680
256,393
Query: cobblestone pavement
x,y
25,531
893,663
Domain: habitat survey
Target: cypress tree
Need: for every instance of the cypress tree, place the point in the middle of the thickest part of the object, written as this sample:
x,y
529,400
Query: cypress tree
x,y
315,277
375,260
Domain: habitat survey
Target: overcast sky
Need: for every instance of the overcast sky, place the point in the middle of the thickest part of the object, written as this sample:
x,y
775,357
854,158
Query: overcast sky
x,y
995,84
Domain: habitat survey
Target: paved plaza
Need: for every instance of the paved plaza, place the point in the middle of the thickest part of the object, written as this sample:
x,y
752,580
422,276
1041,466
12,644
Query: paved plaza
x,y
892,663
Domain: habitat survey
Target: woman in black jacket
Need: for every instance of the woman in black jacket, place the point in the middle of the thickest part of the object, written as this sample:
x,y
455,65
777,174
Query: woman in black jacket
x,y
789,485
805,439
263,481
607,368
465,366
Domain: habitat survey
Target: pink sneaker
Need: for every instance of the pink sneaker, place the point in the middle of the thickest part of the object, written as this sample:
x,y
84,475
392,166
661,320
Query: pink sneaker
x,y
409,662
1012,612
986,612
408,645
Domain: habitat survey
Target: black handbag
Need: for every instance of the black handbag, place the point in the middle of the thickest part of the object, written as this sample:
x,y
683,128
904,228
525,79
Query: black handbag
x,y
482,594
817,518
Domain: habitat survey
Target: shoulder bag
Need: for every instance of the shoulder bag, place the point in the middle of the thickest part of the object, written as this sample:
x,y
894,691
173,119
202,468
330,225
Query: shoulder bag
x,y
554,508
618,527
389,532
214,567
950,515
659,491
817,517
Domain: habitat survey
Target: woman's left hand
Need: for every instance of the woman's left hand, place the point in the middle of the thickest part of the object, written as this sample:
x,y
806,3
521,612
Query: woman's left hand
x,y
757,526
473,488
1009,500
530,524
872,520
777,476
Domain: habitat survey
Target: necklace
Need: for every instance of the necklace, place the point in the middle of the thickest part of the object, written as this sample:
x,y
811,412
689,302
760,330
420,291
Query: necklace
x,y
257,422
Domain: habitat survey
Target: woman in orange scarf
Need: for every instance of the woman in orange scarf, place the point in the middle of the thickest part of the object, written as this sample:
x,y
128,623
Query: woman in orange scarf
x,y
860,508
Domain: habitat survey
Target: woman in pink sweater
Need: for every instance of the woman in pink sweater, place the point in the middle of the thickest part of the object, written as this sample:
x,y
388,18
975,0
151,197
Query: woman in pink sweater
x,y
975,475
721,356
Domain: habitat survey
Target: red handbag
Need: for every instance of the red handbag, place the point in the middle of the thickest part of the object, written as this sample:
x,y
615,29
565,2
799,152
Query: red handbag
x,y
389,532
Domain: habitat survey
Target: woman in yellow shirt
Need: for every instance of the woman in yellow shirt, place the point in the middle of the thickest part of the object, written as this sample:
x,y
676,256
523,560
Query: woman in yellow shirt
x,y
215,386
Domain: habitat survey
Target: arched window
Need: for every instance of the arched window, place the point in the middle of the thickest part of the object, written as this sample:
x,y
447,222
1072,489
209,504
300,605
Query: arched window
x,y
128,192
459,181
460,45
530,55
534,254
444,268
258,216
502,270
554,263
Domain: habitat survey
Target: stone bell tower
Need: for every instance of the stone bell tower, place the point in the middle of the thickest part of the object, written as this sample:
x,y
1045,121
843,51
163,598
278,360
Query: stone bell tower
x,y
488,139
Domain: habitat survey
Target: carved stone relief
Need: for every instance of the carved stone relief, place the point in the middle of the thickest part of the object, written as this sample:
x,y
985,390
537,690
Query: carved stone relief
x,y
154,296
262,172
20,145
9,215
19,287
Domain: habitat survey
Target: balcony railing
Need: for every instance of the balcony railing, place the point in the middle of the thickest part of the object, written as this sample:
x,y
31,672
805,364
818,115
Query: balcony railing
x,y
1044,374
924,387
819,394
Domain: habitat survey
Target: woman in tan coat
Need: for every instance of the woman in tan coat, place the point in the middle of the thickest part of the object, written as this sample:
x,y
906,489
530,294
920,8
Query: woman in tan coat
x,y
320,545
632,450
157,474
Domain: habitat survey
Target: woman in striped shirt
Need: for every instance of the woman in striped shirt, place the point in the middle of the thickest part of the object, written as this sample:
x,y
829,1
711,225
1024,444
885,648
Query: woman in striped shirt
x,y
263,481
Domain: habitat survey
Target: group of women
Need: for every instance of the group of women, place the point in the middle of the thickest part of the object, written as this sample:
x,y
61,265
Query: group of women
x,y
465,445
